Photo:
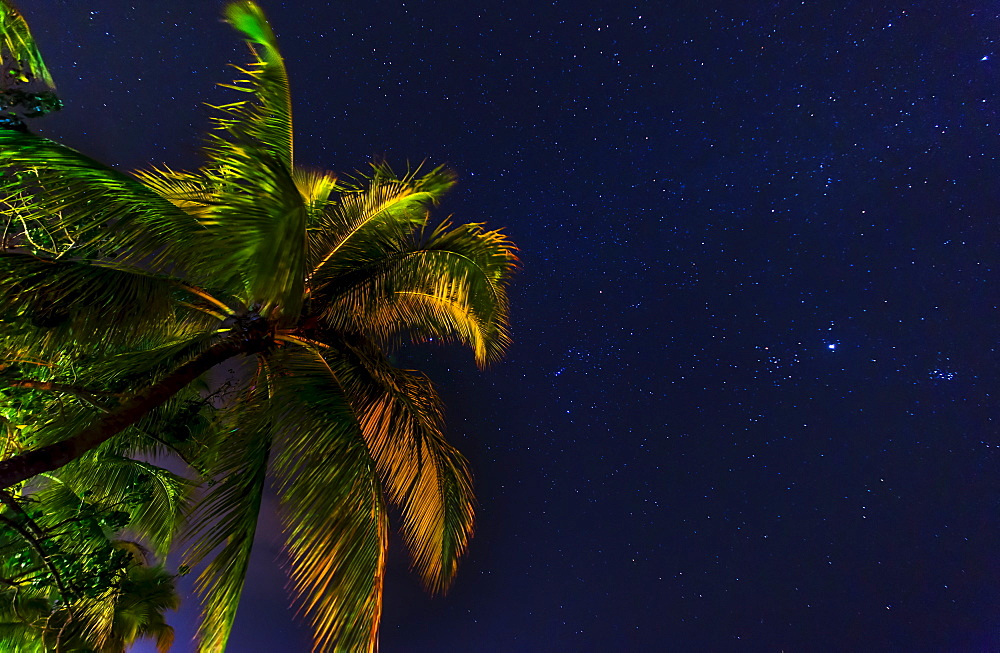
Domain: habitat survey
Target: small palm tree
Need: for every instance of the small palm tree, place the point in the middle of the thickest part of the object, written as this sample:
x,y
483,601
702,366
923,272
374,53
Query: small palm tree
x,y
68,579
134,609
142,284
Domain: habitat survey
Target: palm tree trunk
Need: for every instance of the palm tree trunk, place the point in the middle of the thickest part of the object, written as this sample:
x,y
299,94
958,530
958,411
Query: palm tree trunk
x,y
53,456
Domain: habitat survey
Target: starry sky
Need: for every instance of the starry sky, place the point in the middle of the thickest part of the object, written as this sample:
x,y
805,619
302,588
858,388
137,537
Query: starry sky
x,y
752,400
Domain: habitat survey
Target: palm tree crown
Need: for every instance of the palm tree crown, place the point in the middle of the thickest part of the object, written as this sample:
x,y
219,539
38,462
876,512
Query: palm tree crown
x,y
142,284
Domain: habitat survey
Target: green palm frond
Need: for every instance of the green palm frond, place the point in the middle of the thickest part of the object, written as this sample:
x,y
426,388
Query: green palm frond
x,y
226,516
154,498
258,216
196,193
50,306
258,211
96,210
265,121
19,55
331,501
22,615
277,258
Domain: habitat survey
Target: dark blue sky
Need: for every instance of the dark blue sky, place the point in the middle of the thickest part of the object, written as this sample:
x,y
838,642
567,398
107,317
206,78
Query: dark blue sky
x,y
751,403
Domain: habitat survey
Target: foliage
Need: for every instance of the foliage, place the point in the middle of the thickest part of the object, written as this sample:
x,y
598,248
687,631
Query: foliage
x,y
26,88
123,291
130,606
70,577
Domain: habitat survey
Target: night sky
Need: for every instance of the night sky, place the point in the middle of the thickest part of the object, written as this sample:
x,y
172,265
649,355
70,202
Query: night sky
x,y
752,400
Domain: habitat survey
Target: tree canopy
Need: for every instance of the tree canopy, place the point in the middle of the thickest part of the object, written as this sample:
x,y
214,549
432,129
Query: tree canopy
x,y
122,294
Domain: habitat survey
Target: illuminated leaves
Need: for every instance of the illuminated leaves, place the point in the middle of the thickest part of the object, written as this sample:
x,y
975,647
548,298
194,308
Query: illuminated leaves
x,y
111,283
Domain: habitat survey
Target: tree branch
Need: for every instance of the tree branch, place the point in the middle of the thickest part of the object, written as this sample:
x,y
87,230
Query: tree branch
x,y
36,545
128,412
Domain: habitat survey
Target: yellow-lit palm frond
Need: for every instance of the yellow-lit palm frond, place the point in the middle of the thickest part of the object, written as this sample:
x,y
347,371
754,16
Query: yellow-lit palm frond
x,y
450,287
193,193
331,503
318,189
401,417
374,214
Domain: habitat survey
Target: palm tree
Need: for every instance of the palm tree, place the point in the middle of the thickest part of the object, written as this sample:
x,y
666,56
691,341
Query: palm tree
x,y
135,610
132,609
70,579
142,284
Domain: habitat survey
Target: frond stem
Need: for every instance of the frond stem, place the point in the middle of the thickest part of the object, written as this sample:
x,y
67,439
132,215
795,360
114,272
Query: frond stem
x,y
299,340
204,310
194,290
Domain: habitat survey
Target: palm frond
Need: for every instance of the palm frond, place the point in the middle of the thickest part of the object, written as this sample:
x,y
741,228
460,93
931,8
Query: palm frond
x,y
190,192
127,612
451,287
154,498
401,417
197,194
257,210
147,593
226,516
318,188
22,618
52,306
19,55
332,507
93,209
259,217
375,213
266,120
